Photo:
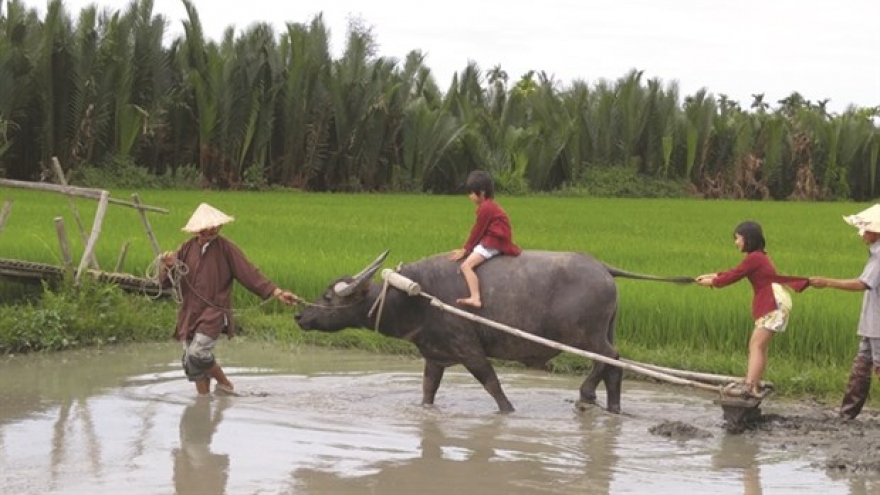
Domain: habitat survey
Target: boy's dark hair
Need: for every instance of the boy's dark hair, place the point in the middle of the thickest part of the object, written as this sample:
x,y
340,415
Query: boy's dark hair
x,y
752,234
480,181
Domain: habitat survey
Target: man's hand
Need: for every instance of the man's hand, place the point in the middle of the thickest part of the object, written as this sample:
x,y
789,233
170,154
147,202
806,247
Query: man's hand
x,y
286,297
168,258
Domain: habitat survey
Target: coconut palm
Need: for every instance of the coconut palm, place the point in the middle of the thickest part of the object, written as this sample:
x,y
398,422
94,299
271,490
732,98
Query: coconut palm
x,y
426,135
758,103
304,110
206,70
256,108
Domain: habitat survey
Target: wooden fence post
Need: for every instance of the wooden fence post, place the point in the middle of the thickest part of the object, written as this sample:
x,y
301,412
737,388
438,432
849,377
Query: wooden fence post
x,y
59,175
4,213
137,201
122,253
93,238
66,258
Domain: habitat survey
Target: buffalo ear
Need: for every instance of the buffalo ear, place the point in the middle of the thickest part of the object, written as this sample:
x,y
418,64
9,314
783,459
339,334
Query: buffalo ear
x,y
340,288
362,290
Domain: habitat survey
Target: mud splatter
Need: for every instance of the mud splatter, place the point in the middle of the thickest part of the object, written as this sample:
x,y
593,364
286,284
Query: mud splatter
x,y
851,446
677,430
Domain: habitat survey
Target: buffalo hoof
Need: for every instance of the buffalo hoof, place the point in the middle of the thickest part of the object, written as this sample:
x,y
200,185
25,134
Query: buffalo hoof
x,y
614,409
583,405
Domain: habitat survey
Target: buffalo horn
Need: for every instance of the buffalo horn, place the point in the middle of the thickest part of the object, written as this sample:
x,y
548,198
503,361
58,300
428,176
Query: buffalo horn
x,y
344,290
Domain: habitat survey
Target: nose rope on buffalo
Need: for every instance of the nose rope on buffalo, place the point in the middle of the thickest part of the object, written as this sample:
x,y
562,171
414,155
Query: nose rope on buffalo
x,y
678,377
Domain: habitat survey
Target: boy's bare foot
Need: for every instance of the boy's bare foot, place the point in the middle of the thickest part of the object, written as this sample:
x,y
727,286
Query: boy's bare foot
x,y
470,301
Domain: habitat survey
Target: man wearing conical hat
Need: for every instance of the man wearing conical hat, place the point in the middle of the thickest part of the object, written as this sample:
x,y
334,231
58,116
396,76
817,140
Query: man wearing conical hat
x,y
203,269
868,354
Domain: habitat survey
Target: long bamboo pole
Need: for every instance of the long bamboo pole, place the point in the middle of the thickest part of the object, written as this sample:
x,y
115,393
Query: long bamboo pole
x,y
573,350
696,375
82,192
411,288
44,186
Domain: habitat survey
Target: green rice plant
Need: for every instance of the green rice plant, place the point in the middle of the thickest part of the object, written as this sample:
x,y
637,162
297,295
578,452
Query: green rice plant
x,y
304,241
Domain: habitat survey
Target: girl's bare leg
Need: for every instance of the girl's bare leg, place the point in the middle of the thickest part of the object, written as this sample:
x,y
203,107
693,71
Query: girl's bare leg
x,y
759,343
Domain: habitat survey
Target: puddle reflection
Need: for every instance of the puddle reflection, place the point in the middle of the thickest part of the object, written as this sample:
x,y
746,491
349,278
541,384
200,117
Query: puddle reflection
x,y
343,422
737,453
198,470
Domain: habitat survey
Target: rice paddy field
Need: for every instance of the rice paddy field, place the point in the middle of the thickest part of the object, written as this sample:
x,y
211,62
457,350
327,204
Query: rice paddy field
x,y
303,241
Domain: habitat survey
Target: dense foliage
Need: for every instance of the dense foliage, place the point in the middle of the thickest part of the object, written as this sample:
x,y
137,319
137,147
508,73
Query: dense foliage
x,y
92,314
261,108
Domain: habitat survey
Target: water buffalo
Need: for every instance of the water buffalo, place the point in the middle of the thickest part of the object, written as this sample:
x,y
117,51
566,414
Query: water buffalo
x,y
566,297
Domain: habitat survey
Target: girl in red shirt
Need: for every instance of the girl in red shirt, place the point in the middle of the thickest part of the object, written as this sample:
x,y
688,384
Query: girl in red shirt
x,y
490,236
771,304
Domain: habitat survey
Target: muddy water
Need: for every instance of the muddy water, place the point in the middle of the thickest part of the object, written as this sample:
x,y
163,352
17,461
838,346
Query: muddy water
x,y
314,421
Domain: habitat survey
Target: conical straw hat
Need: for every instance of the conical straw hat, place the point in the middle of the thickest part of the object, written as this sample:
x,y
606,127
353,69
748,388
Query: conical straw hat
x,y
206,217
865,220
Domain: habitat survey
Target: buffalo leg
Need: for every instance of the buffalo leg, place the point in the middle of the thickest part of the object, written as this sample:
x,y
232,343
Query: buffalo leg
x,y
431,378
485,374
588,387
612,376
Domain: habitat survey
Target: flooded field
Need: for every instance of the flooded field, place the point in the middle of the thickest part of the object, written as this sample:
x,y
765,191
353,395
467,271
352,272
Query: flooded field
x,y
315,421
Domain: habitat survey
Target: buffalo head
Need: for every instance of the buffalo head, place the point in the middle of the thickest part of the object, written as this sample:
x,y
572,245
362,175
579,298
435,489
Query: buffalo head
x,y
343,303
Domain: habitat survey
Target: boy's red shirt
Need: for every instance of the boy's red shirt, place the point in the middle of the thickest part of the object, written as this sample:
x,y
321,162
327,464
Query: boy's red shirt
x,y
492,230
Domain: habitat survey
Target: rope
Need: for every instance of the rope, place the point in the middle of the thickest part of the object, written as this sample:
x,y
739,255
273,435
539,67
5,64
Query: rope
x,y
380,302
177,273
325,306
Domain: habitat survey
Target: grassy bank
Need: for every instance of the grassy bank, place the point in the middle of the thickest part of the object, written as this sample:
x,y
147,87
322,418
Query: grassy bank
x,y
303,241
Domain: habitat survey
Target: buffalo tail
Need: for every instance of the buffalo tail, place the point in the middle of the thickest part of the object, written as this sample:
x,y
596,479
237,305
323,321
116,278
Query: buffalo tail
x,y
617,272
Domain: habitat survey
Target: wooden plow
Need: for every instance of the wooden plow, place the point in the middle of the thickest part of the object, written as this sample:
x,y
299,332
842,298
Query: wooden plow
x,y
738,412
